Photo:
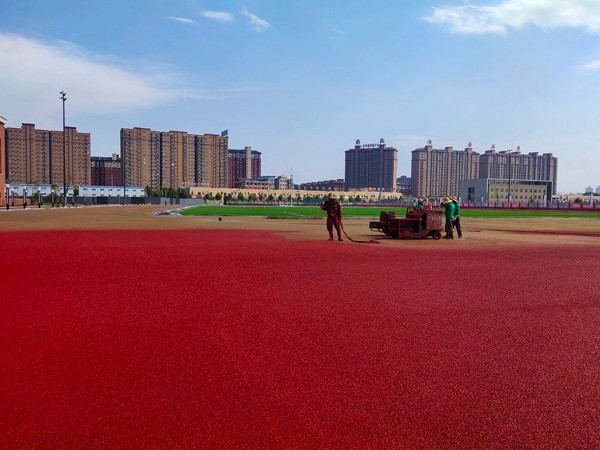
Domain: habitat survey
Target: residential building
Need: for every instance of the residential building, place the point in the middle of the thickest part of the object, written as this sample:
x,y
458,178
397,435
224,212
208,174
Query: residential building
x,y
437,172
404,185
515,165
141,157
107,170
211,159
242,165
327,185
41,156
178,159
371,167
173,159
3,160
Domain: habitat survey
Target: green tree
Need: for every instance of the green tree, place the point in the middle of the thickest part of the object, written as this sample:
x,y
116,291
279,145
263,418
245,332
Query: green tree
x,y
218,196
150,192
240,197
252,197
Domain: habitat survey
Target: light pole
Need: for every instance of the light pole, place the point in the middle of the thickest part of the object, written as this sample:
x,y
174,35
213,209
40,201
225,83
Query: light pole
x,y
63,97
509,171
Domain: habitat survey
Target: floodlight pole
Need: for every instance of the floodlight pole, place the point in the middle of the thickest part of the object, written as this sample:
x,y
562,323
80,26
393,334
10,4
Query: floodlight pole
x,y
63,97
509,176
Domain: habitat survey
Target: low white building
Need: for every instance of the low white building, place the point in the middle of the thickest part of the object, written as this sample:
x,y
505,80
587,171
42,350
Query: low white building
x,y
18,189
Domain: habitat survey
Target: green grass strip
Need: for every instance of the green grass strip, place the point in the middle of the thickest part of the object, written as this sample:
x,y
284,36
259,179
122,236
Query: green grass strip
x,y
295,212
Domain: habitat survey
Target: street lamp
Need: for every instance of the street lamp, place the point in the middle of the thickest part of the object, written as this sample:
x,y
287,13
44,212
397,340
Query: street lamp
x,y
509,174
63,97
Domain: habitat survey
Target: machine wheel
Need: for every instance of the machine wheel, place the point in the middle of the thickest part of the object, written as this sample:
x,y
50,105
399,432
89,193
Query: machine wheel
x,y
436,234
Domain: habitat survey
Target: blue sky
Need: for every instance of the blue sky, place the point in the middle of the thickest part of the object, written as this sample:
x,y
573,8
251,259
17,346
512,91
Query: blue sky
x,y
301,80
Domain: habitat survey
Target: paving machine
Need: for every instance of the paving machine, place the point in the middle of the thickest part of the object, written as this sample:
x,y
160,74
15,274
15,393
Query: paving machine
x,y
418,223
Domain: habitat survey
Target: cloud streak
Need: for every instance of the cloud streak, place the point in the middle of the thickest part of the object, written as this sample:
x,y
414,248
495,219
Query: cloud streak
x,y
256,23
183,20
219,16
591,66
515,14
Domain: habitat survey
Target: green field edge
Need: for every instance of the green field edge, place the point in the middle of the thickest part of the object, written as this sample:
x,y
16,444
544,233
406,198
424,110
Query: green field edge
x,y
312,212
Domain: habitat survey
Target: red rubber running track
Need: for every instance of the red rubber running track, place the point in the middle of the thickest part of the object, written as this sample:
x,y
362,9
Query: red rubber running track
x,y
130,339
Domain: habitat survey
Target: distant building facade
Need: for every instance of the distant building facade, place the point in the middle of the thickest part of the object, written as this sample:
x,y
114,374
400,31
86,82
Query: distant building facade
x,y
268,182
107,171
173,159
404,185
371,167
515,165
437,172
242,165
3,160
327,185
501,190
36,156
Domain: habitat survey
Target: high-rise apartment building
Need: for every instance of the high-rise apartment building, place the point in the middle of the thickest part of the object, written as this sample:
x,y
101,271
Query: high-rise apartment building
x,y
242,165
211,159
508,164
178,159
437,172
2,159
37,157
107,171
371,166
141,157
173,159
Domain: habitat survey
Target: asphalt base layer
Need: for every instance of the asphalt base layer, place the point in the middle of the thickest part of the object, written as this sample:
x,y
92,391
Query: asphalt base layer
x,y
233,338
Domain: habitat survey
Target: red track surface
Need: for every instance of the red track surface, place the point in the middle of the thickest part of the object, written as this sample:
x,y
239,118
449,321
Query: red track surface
x,y
242,339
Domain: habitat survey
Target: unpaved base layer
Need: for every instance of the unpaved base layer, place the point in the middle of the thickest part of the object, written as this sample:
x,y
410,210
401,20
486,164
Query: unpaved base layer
x,y
477,232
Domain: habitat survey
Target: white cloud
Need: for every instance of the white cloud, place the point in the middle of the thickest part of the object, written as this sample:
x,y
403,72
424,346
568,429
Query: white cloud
x,y
499,18
255,22
219,16
33,73
183,20
590,66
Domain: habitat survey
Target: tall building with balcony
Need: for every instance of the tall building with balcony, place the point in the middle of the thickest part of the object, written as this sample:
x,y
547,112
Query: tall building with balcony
x,y
371,166
242,165
211,159
107,170
173,159
37,157
437,172
509,164
141,157
2,159
178,159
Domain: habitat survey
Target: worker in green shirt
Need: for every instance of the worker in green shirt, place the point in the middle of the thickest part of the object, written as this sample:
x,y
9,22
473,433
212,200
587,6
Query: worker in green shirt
x,y
419,204
456,222
449,210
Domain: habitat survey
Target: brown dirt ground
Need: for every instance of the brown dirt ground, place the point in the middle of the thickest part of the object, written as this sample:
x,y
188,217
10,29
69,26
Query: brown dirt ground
x,y
478,233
